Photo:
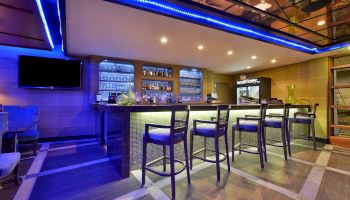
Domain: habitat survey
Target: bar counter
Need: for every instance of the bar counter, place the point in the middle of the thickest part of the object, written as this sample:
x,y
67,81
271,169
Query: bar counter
x,y
122,128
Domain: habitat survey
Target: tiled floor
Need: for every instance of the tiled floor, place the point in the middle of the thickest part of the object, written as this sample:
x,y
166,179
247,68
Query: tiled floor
x,y
81,170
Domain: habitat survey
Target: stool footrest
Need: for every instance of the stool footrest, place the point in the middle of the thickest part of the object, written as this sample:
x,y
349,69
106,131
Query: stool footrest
x,y
207,160
147,167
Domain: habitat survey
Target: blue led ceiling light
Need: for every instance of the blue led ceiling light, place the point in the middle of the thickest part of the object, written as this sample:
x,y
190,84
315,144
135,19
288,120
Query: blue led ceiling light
x,y
174,10
184,13
59,19
43,19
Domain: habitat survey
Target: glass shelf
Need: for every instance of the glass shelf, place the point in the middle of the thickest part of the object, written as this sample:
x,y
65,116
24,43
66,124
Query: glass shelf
x,y
190,85
115,77
157,71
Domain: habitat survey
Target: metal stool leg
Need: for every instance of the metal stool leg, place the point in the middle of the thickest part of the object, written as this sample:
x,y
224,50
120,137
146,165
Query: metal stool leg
x,y
263,138
288,135
164,159
227,153
172,170
233,145
260,149
313,134
186,157
144,153
283,133
205,147
240,141
191,151
217,155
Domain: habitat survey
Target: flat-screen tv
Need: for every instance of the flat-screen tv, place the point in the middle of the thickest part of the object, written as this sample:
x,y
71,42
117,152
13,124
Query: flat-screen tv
x,y
51,73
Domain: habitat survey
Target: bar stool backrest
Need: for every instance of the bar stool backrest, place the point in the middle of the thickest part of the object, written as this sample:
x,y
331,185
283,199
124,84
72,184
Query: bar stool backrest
x,y
222,116
286,110
179,119
262,113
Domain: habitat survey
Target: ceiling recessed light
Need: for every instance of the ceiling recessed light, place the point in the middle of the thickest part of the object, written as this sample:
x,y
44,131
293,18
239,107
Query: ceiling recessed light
x,y
263,5
200,47
254,57
229,52
273,61
321,22
163,40
248,67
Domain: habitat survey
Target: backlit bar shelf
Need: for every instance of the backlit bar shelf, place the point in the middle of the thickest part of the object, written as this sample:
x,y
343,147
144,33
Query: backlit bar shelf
x,y
115,77
157,88
190,85
157,71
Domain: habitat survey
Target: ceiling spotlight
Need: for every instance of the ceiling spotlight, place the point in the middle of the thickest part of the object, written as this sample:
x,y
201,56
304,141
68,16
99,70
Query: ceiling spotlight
x,y
229,52
263,5
163,40
273,61
200,47
254,57
320,23
248,67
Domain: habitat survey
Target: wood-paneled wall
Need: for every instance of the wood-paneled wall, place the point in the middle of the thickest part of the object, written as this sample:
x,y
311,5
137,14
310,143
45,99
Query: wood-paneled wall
x,y
62,112
311,82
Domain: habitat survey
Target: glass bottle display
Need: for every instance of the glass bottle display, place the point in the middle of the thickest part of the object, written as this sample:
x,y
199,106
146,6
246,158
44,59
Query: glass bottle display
x,y
157,71
157,89
190,85
115,77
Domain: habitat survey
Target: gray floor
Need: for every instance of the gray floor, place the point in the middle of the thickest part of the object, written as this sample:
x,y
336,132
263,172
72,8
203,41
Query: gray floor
x,y
81,170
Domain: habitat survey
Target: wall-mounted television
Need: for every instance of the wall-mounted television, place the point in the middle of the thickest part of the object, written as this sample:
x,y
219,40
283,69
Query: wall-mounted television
x,y
50,73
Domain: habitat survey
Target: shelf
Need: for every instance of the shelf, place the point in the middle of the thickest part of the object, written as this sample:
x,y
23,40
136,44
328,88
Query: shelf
x,y
340,107
157,90
340,86
190,94
190,85
340,126
112,90
341,67
126,82
191,78
157,78
128,73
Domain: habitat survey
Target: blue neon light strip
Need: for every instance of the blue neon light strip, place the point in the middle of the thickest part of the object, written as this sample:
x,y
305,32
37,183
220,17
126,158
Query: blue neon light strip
x,y
203,18
42,15
59,19
174,10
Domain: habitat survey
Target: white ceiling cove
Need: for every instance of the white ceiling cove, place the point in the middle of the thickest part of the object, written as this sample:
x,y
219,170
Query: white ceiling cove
x,y
97,27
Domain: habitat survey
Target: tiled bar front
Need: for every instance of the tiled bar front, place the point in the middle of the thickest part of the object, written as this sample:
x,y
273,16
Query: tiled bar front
x,y
123,139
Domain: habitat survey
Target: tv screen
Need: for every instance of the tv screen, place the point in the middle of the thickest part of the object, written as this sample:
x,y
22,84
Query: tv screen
x,y
52,73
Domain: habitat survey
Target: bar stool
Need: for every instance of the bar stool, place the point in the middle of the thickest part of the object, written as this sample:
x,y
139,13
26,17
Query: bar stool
x,y
168,136
279,121
250,125
307,118
212,129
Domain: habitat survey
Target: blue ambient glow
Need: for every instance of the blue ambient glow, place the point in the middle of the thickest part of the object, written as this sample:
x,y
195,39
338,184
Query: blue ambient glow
x,y
195,16
42,15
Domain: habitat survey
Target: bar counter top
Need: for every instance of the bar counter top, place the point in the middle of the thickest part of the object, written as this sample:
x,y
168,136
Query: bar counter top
x,y
167,107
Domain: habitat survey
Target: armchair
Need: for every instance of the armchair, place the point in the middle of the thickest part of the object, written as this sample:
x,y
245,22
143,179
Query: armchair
x,y
9,162
23,121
